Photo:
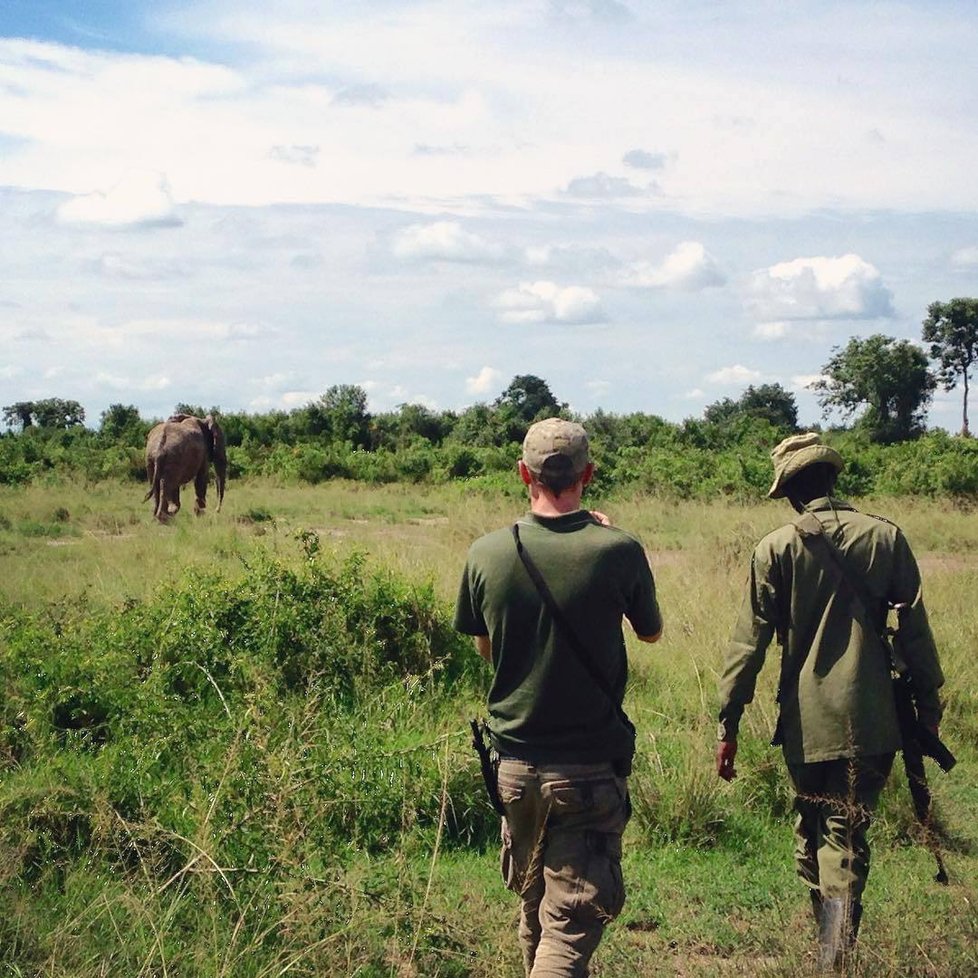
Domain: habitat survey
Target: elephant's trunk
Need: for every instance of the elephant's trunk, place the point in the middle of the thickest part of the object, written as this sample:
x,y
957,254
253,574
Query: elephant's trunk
x,y
220,475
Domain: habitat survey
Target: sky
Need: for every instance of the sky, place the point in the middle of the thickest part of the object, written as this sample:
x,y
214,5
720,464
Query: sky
x,y
651,205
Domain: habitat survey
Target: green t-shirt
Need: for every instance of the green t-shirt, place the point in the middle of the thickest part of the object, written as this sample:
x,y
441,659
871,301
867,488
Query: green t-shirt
x,y
543,705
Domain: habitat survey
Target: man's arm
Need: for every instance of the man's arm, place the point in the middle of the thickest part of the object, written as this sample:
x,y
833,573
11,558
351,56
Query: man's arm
x,y
745,656
649,638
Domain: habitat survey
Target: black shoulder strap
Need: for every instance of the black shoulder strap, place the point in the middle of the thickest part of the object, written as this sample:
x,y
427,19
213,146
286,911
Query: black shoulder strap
x,y
565,626
812,534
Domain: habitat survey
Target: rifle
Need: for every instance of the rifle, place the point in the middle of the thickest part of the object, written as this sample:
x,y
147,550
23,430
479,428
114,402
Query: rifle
x,y
918,741
489,775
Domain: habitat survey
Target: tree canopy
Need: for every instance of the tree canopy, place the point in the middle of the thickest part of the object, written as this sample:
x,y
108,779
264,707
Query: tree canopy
x,y
50,412
889,377
529,398
768,401
341,414
951,329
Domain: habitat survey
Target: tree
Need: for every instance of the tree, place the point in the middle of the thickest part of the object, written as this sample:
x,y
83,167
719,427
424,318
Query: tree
x,y
19,415
50,412
119,420
769,401
951,328
890,377
341,415
772,402
194,410
529,397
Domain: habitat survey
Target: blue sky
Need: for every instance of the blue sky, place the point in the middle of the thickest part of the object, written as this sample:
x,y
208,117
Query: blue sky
x,y
650,205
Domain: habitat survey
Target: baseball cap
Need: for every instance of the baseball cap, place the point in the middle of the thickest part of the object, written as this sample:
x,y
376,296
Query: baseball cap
x,y
564,442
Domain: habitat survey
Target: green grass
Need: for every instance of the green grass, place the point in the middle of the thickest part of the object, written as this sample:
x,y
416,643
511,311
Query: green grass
x,y
236,745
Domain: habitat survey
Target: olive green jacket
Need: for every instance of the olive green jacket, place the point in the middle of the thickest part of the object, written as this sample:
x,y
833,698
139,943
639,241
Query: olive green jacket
x,y
836,696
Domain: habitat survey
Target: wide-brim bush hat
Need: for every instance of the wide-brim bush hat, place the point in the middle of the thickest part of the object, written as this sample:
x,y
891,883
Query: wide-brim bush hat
x,y
556,443
797,452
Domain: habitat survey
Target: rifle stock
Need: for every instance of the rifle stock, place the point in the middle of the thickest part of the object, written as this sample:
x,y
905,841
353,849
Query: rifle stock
x,y
922,738
486,765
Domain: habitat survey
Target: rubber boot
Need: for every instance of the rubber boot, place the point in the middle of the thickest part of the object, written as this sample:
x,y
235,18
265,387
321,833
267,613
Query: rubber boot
x,y
838,928
832,934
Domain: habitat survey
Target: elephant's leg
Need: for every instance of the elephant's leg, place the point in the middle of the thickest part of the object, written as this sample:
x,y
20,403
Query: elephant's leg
x,y
200,488
159,501
173,500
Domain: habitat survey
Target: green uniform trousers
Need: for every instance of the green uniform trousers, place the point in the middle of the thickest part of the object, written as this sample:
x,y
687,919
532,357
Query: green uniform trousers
x,y
561,853
834,801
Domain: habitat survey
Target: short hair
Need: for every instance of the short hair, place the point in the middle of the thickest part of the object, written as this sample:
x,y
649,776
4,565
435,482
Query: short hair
x,y
557,474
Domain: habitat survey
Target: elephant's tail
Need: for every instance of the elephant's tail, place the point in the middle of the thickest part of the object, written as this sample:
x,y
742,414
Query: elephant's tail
x,y
155,491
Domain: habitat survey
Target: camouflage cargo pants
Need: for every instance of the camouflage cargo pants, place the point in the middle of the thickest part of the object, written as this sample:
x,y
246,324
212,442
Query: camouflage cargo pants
x,y
834,801
561,852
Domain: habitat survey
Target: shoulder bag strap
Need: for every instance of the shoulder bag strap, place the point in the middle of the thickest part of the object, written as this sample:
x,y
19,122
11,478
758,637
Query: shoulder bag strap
x,y
812,533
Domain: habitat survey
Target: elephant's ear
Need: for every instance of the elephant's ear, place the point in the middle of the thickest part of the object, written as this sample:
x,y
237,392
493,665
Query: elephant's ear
x,y
215,436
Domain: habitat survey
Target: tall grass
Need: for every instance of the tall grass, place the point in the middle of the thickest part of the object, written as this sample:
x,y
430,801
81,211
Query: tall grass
x,y
236,745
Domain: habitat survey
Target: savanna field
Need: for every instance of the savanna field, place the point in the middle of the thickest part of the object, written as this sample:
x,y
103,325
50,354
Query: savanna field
x,y
238,746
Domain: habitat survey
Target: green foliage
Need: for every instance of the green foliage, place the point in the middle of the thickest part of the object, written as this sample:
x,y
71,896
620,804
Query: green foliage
x,y
341,415
122,423
771,402
263,767
951,329
724,453
51,412
277,725
529,398
889,377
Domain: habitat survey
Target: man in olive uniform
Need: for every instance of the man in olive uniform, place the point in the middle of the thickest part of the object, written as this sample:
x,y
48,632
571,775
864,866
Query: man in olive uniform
x,y
555,716
837,725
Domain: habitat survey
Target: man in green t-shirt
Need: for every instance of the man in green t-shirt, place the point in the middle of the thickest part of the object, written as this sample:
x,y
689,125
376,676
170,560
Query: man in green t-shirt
x,y
555,704
837,724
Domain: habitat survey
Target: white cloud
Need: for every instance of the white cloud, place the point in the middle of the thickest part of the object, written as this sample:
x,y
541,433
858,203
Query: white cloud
x,y
294,399
547,302
154,382
296,155
965,257
802,382
444,241
115,265
641,159
695,394
588,12
273,381
737,374
774,330
689,267
486,380
538,255
602,186
844,287
371,96
139,199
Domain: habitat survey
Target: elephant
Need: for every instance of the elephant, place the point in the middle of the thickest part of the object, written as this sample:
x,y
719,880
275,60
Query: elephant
x,y
179,450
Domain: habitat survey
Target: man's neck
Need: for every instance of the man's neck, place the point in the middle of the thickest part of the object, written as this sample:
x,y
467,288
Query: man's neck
x,y
545,503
